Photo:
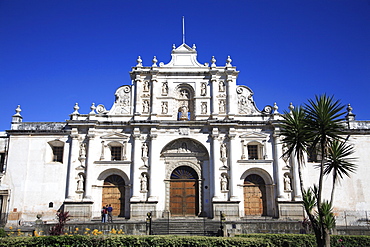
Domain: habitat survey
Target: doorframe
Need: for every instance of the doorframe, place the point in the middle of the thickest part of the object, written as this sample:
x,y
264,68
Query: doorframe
x,y
197,168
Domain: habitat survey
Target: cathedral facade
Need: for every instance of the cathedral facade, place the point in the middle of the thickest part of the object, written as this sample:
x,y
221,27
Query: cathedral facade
x,y
183,139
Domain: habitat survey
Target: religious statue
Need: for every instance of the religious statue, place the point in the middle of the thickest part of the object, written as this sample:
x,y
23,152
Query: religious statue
x,y
184,113
146,106
203,90
287,183
223,150
83,150
80,182
223,182
164,107
146,86
165,88
204,108
144,150
143,182
222,107
221,86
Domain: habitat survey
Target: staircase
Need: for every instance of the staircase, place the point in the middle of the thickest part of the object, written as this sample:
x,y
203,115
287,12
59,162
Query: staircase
x,y
200,227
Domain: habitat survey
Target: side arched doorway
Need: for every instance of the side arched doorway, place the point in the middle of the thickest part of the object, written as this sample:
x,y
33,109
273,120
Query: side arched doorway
x,y
114,194
254,190
184,192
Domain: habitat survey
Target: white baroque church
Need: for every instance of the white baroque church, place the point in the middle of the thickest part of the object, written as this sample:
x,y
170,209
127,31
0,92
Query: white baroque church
x,y
183,139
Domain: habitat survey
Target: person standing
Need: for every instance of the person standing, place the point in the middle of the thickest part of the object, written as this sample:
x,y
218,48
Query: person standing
x,y
103,214
110,214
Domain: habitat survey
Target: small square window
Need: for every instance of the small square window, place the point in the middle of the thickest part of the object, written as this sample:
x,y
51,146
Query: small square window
x,y
116,153
58,154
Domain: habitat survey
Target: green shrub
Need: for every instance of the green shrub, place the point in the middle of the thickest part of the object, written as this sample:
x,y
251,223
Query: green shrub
x,y
132,241
2,233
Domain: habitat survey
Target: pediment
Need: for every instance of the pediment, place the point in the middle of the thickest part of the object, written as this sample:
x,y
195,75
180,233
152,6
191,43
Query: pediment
x,y
184,56
254,135
115,136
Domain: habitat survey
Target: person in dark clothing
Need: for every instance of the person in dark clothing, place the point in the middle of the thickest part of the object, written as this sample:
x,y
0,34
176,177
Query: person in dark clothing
x,y
110,215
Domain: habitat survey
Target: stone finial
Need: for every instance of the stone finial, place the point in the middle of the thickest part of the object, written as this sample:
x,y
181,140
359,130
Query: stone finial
x,y
349,109
275,107
213,61
76,107
350,116
154,61
139,62
228,61
194,47
17,118
291,107
92,107
18,111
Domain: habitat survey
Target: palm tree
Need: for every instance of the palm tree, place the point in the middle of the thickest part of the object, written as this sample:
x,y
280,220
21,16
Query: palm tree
x,y
338,163
324,117
296,137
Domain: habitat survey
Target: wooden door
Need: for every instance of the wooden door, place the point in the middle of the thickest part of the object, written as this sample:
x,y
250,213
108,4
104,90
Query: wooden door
x,y
184,192
114,194
254,195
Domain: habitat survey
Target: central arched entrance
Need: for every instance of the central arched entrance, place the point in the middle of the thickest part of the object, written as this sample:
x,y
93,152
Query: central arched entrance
x,y
184,192
254,189
114,194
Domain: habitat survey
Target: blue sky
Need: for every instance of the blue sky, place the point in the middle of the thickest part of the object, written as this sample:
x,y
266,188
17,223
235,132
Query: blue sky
x,y
54,53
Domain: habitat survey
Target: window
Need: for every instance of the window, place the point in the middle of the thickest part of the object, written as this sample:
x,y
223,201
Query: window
x,y
116,153
57,154
2,162
253,152
57,150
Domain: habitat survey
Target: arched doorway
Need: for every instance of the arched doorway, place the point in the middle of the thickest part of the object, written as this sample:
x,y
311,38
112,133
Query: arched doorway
x,y
114,194
184,192
254,189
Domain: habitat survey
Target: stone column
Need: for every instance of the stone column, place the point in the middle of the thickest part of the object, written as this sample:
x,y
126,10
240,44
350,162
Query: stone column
x,y
233,169
295,177
231,101
278,163
73,152
138,101
215,165
153,162
136,163
89,161
214,102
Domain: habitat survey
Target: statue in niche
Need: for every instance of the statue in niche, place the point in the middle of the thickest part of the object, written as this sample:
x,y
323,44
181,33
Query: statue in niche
x,y
165,88
164,107
146,86
146,106
223,150
224,182
183,113
203,89
144,150
83,150
143,182
287,182
204,108
221,86
222,106
80,182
